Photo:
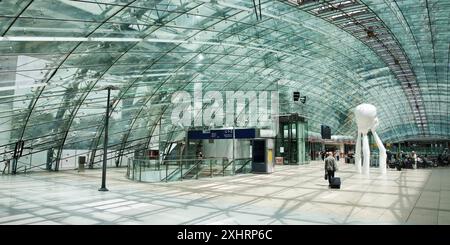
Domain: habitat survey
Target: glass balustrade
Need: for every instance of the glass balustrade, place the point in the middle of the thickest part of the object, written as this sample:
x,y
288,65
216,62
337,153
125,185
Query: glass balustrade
x,y
154,170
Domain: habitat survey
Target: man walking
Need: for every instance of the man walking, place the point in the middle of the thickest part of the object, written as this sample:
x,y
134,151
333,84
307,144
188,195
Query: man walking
x,y
330,167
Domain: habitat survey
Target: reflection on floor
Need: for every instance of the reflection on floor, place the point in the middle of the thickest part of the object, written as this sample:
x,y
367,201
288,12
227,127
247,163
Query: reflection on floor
x,y
291,195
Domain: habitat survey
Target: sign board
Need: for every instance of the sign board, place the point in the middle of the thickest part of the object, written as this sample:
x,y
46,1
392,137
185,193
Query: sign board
x,y
249,133
198,135
221,134
268,133
325,132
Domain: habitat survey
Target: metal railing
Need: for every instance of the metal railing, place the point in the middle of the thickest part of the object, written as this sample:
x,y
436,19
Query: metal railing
x,y
23,167
154,170
244,166
238,165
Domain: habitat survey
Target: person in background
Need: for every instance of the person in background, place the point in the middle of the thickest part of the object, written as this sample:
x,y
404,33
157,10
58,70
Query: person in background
x,y
414,157
7,164
330,167
402,155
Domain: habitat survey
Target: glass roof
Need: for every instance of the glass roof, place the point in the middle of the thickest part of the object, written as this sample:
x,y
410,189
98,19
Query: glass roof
x,y
57,54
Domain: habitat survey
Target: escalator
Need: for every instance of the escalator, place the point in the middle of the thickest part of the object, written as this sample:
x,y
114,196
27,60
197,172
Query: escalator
x,y
182,170
194,170
244,167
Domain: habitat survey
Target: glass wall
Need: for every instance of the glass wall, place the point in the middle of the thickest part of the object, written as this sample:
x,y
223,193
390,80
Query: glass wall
x,y
56,56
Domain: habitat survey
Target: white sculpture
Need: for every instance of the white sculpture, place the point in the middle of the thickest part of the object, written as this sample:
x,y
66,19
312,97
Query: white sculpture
x,y
366,119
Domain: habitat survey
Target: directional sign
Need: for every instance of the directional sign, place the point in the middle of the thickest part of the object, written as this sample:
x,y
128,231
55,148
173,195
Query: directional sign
x,y
248,133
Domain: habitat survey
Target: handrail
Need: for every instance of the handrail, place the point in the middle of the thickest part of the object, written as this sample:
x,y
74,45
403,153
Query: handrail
x,y
229,163
183,159
225,167
175,171
194,159
195,166
243,165
25,167
179,169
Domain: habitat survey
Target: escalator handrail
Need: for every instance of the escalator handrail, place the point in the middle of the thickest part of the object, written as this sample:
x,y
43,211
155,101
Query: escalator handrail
x,y
177,170
200,161
243,165
225,167
33,166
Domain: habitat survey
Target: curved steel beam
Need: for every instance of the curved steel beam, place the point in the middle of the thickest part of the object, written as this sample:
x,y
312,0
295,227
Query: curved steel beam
x,y
96,140
113,109
218,74
71,117
416,96
75,111
17,17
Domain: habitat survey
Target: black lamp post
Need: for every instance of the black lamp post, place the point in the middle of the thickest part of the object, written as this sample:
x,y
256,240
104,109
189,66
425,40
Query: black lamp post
x,y
105,142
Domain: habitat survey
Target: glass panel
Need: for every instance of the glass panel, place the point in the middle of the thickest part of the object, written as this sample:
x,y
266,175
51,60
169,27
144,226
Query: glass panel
x,y
55,56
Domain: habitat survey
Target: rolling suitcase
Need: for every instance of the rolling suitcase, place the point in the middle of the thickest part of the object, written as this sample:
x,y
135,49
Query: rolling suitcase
x,y
336,183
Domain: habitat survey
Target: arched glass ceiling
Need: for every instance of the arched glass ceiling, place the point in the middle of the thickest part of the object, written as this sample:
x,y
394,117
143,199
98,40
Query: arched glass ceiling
x,y
56,56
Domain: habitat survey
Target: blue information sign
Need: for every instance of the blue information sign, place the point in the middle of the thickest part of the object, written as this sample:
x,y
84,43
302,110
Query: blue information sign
x,y
198,135
248,133
221,134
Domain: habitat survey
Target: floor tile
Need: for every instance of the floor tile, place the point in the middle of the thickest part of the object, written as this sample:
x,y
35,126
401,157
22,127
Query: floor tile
x,y
290,195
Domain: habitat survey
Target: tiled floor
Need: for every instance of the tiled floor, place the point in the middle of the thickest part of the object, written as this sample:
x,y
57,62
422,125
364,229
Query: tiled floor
x,y
291,195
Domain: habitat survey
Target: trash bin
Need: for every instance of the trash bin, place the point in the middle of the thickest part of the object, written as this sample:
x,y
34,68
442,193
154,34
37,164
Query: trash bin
x,y
81,162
